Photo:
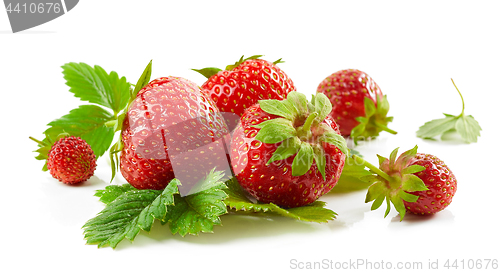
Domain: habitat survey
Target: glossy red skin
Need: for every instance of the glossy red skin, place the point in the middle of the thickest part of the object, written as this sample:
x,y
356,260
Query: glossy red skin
x,y
274,183
234,91
152,126
71,160
439,179
347,90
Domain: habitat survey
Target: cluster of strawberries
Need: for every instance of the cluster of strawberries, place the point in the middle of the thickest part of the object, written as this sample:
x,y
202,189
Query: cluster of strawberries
x,y
250,121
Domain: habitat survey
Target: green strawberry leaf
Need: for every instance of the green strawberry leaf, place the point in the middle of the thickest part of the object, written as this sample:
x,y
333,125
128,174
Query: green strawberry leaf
x,y
237,199
142,81
110,193
127,214
198,212
436,127
95,85
468,128
129,211
314,212
87,122
238,202
208,71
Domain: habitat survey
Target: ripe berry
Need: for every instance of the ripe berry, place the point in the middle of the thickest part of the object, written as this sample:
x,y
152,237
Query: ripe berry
x,y
418,183
171,130
288,152
244,83
358,105
71,160
441,184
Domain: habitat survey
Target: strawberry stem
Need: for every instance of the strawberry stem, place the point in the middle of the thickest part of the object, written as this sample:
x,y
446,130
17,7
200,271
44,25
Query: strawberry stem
x,y
307,125
304,132
385,128
374,169
37,141
111,123
461,97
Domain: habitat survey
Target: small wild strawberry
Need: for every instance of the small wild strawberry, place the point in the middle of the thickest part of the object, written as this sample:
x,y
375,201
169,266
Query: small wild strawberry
x,y
70,159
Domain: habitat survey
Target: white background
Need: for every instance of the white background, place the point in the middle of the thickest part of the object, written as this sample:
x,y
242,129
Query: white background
x,y
411,49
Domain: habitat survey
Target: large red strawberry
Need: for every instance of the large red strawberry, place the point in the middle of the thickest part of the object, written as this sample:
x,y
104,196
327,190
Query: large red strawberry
x,y
70,159
171,130
358,105
414,182
288,152
242,84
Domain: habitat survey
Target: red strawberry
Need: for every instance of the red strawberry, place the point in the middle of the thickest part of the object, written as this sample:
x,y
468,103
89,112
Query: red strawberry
x,y
440,181
71,160
241,85
359,107
171,127
288,152
414,182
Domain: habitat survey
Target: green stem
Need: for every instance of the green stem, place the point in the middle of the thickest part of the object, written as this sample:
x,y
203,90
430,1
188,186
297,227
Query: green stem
x,y
371,167
37,141
385,128
307,125
111,123
461,97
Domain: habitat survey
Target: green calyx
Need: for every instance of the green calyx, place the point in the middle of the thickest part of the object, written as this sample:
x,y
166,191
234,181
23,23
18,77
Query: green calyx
x,y
45,145
374,121
211,71
241,60
300,131
394,181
